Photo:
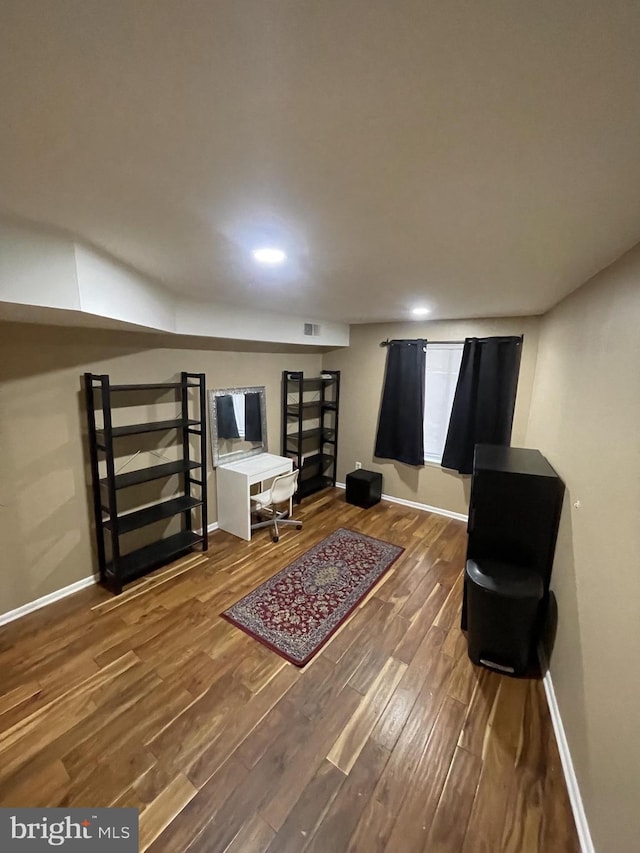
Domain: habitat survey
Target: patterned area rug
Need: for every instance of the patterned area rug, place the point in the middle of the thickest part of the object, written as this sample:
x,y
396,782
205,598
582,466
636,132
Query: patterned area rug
x,y
296,611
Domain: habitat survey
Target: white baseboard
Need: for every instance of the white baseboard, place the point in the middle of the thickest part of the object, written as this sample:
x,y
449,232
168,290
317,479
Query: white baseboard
x,y
210,528
11,615
571,780
415,505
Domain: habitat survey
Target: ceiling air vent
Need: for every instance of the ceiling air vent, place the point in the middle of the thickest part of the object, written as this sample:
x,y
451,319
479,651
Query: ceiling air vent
x,y
311,329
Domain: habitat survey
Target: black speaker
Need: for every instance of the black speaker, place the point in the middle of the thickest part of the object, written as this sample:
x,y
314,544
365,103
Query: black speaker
x,y
514,514
502,613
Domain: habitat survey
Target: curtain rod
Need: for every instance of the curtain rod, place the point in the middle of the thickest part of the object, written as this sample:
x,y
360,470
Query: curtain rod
x,y
401,341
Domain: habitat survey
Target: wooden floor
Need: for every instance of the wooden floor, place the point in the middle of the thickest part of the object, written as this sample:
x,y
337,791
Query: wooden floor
x,y
389,740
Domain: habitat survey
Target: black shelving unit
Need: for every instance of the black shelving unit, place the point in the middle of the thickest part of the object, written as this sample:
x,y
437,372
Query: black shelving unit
x,y
117,564
310,408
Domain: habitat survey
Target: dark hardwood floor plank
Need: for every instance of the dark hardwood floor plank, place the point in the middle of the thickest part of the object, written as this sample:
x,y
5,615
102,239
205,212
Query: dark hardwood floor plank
x,y
258,668
241,726
504,740
17,698
187,736
351,630
356,733
201,810
307,814
449,825
481,706
255,836
288,784
464,678
26,738
446,572
276,726
394,716
386,633
421,623
374,828
415,816
449,614
455,644
159,814
342,816
246,800
419,594
42,786
109,778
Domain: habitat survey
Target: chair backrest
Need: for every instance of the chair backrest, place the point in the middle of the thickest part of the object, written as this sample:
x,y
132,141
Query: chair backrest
x,y
283,487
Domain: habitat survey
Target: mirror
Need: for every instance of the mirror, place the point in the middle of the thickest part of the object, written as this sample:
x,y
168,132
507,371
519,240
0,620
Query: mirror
x,y
238,422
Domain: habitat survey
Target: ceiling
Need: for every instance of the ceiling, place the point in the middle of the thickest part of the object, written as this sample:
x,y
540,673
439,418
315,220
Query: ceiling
x,y
481,159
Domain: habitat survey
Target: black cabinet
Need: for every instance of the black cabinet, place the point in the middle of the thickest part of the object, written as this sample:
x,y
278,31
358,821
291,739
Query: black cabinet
x,y
310,407
514,512
115,495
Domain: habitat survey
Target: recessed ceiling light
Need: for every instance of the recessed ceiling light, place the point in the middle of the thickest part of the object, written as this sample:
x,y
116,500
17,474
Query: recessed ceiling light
x,y
269,255
420,312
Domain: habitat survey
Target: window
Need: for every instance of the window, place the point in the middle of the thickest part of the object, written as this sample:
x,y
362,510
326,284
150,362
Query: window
x,y
441,376
238,409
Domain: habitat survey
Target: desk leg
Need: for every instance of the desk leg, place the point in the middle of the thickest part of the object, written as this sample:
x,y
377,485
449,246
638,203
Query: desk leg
x,y
234,512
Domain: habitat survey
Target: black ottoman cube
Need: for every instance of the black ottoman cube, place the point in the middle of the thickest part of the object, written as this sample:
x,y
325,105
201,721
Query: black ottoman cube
x,y
364,488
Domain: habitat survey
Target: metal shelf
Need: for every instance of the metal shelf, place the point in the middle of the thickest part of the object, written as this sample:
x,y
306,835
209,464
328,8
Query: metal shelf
x,y
316,463
312,384
155,472
140,561
294,410
313,484
316,432
150,386
150,514
153,426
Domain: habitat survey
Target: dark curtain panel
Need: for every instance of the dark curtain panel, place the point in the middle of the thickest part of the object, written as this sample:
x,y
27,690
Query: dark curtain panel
x,y
227,426
400,426
252,419
484,401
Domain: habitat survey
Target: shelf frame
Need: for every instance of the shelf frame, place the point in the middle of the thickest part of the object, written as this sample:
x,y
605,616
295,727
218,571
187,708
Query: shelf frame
x,y
324,437
110,524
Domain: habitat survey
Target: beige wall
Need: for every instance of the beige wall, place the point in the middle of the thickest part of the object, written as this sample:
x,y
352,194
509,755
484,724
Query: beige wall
x,y
362,366
585,418
45,509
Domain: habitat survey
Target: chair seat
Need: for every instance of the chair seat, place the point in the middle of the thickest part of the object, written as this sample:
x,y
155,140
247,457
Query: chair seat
x,y
261,500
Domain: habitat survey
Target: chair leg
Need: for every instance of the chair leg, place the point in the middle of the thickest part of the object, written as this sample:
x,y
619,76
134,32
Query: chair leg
x,y
274,519
267,514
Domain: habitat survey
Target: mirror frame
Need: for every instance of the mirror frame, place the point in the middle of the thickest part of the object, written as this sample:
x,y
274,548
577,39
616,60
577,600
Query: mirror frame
x,y
222,459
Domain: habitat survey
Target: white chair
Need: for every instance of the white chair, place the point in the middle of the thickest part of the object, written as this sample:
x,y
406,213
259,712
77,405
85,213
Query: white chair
x,y
267,503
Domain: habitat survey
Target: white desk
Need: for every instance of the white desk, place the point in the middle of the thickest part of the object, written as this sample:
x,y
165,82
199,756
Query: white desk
x,y
233,487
